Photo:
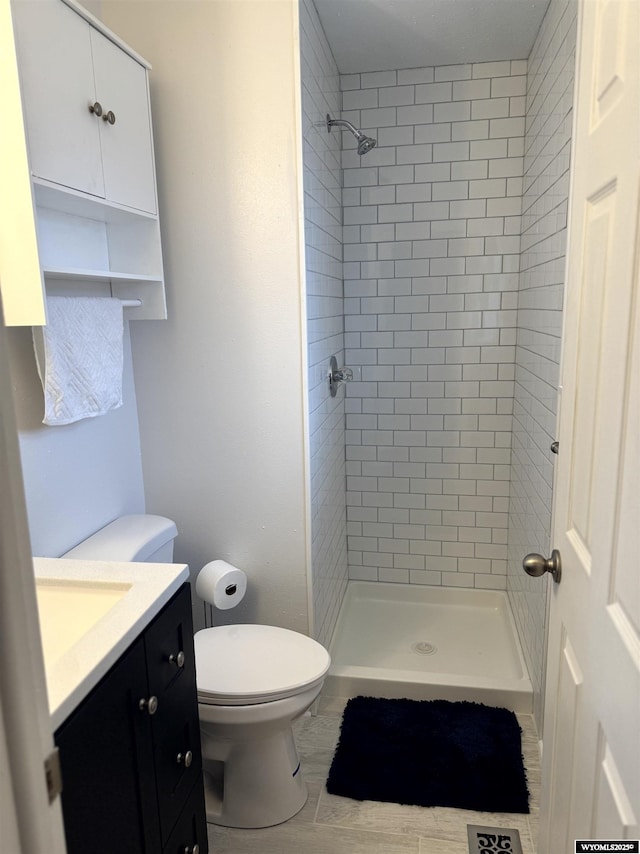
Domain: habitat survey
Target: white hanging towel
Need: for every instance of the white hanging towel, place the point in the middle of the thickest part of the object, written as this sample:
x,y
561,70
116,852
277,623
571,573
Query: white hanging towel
x,y
79,356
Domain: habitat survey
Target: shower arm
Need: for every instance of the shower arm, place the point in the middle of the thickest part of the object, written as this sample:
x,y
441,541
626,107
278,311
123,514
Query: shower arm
x,y
365,143
345,124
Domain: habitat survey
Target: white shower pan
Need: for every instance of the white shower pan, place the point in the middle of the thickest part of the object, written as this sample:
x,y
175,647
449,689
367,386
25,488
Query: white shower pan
x,y
427,643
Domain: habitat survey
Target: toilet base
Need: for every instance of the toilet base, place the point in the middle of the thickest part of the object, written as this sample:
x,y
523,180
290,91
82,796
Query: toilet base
x,y
252,783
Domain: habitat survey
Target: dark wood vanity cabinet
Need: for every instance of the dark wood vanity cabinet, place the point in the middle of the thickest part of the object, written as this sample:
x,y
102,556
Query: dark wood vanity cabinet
x,y
130,753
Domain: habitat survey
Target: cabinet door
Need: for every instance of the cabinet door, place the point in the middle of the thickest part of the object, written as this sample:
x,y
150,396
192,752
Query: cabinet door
x,y
191,829
127,154
108,798
175,726
56,73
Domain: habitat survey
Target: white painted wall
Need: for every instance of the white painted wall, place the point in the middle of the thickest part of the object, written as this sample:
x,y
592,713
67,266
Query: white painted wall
x,y
80,476
93,6
220,384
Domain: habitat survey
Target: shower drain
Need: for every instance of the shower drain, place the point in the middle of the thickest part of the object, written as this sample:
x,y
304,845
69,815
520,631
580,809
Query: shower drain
x,y
424,648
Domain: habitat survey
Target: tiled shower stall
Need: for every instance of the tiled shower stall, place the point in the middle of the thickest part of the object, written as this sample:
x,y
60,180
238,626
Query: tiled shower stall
x,y
448,307
431,248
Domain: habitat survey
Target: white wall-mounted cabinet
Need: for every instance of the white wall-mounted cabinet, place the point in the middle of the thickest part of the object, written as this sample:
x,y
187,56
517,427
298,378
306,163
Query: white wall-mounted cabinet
x,y
87,115
75,82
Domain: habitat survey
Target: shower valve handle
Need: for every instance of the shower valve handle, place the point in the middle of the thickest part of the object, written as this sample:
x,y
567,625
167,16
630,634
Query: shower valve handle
x,y
336,376
344,375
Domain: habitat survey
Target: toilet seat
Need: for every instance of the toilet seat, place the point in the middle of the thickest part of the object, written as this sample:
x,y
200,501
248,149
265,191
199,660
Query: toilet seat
x,y
245,665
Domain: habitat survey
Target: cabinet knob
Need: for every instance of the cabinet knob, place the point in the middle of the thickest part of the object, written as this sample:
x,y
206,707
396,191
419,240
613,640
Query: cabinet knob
x,y
192,849
178,659
109,117
185,759
150,705
96,108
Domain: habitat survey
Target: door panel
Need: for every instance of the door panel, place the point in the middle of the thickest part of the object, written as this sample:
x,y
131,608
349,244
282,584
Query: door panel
x,y
591,762
614,816
597,231
568,692
105,749
56,77
121,84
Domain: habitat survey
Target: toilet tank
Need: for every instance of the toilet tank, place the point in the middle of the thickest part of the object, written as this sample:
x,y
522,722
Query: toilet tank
x,y
128,539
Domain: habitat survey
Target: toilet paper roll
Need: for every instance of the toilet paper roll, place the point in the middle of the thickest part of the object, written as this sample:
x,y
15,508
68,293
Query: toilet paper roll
x,y
221,584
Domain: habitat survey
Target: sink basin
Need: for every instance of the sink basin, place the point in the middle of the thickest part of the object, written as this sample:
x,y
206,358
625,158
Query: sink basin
x,y
90,614
69,609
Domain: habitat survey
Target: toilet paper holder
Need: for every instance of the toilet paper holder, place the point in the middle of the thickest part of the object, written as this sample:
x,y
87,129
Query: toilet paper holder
x,y
220,584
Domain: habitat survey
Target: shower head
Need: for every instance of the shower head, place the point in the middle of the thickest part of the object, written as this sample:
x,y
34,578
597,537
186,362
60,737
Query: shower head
x,y
365,143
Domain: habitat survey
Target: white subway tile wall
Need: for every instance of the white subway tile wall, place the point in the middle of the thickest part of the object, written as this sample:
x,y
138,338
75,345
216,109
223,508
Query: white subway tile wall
x,y
544,217
325,325
432,251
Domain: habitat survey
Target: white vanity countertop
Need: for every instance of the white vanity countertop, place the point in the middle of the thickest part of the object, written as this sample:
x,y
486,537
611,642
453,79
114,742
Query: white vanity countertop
x,y
90,613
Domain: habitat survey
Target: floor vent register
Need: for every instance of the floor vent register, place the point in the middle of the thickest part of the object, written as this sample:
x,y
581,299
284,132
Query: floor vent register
x,y
493,840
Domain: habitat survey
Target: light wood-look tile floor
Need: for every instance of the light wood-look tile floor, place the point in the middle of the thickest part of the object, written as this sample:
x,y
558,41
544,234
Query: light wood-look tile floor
x,y
328,824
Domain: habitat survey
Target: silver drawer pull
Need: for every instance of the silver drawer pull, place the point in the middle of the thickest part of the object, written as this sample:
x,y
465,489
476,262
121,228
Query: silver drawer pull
x,y
110,117
150,705
96,108
178,659
185,758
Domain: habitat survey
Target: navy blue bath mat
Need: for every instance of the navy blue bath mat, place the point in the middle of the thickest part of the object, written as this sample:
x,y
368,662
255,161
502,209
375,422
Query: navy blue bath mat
x,y
430,753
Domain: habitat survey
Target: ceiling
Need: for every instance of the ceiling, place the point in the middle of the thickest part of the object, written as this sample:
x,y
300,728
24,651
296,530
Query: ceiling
x,y
380,35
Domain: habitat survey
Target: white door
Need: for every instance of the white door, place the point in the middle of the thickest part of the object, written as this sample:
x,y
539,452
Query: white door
x,y
31,824
21,285
591,760
56,72
127,155
28,821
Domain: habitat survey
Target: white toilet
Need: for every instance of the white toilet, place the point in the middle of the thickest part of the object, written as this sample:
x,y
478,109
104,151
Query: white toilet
x,y
253,682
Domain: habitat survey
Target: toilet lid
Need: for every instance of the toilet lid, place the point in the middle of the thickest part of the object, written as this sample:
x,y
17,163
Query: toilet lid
x,y
245,664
